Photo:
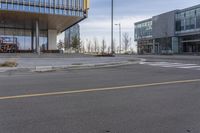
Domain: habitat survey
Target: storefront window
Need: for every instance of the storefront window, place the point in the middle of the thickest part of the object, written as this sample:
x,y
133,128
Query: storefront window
x,y
198,21
198,12
21,38
43,40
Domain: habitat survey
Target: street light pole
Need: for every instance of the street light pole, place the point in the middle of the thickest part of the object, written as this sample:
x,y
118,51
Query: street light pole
x,y
112,43
120,40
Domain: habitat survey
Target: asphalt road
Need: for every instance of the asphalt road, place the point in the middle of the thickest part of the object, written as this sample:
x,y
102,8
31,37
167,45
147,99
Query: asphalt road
x,y
127,99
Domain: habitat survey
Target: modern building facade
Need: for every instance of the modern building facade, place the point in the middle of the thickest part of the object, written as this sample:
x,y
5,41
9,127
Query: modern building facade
x,y
70,34
33,25
174,32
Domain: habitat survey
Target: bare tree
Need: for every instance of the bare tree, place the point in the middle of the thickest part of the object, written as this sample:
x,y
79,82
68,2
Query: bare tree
x,y
109,49
103,47
96,46
89,46
126,41
82,47
118,49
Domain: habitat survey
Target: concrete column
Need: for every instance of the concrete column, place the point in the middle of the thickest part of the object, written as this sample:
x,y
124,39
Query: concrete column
x,y
154,43
52,39
175,47
37,37
32,39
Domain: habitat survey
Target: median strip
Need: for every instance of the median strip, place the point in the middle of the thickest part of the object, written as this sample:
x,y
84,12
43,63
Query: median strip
x,y
98,89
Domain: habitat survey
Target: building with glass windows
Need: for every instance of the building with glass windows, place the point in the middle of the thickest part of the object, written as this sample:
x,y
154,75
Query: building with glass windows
x,y
70,34
174,32
33,25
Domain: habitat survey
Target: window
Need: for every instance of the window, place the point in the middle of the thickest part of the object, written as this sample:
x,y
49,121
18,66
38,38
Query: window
x,y
10,6
178,25
61,12
21,8
42,9
190,13
32,1
52,10
180,15
182,24
42,2
4,6
190,23
15,7
36,9
198,12
47,10
57,11
32,8
198,21
26,8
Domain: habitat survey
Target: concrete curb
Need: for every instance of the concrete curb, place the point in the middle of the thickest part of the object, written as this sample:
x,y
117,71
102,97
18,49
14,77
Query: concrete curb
x,y
71,67
79,67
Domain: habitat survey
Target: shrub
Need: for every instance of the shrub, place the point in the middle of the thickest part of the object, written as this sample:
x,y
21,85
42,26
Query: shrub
x,y
8,64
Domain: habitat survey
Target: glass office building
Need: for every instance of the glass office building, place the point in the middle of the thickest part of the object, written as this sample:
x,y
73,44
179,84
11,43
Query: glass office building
x,y
187,20
176,31
143,33
70,34
143,29
33,25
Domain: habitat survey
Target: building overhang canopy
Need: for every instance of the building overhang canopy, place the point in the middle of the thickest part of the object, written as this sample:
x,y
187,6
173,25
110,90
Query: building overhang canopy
x,y
46,21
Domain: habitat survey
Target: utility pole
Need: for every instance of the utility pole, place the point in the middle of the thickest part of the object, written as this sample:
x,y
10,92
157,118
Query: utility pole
x,y
37,37
112,43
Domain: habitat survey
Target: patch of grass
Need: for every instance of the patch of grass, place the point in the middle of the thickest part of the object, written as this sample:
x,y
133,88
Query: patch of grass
x,y
77,64
8,64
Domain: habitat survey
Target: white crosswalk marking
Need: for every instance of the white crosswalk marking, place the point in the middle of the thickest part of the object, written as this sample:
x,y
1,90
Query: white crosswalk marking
x,y
172,65
190,67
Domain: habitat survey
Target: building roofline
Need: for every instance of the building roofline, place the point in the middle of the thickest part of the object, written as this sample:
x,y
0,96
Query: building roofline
x,y
146,20
177,10
189,8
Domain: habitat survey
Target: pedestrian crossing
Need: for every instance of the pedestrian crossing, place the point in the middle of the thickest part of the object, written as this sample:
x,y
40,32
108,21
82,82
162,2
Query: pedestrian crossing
x,y
172,65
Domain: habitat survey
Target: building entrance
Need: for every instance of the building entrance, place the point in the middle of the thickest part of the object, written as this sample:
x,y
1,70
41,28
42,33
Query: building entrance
x,y
191,47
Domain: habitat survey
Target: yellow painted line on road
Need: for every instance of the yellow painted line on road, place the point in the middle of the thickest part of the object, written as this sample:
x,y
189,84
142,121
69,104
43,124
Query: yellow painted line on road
x,y
98,89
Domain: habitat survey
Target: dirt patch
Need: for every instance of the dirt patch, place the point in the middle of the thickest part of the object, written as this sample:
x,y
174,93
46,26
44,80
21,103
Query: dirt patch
x,y
12,63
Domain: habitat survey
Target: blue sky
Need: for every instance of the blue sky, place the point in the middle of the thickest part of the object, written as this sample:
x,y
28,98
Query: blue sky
x,y
126,12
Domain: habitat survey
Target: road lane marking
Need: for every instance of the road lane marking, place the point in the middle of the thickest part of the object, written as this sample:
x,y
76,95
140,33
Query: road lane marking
x,y
98,89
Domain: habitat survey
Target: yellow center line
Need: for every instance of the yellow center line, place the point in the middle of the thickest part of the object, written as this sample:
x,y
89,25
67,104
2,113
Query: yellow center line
x,y
98,89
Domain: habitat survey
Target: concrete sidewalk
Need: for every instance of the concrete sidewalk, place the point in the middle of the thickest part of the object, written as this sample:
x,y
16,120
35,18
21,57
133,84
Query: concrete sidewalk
x,y
50,64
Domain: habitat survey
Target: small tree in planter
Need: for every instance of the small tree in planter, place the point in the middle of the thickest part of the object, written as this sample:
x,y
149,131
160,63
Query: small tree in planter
x,y
60,45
